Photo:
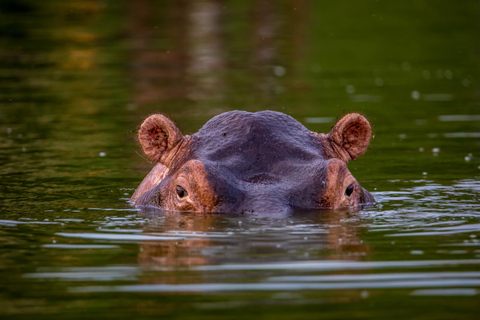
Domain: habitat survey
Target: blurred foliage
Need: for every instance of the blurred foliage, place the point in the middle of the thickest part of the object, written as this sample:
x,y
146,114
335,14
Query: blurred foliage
x,y
78,77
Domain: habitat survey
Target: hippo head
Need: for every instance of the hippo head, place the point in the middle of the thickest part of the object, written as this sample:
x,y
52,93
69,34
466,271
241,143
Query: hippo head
x,y
252,162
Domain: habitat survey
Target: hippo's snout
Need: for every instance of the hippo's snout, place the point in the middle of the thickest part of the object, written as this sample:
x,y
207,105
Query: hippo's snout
x,y
367,197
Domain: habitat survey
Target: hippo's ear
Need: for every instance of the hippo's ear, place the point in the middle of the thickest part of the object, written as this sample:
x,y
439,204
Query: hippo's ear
x,y
158,135
350,136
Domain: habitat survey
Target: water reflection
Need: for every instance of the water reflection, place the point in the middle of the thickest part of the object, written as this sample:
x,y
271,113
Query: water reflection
x,y
206,49
459,117
425,248
191,66
157,74
76,77
306,251
194,64
286,286
213,238
86,274
195,231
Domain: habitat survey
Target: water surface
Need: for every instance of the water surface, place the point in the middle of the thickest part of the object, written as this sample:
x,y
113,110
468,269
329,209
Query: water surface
x,y
78,77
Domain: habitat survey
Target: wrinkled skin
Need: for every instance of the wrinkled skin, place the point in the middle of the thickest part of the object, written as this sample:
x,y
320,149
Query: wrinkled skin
x,y
242,162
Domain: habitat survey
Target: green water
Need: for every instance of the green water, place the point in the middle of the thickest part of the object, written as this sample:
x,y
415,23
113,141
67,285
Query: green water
x,y
78,77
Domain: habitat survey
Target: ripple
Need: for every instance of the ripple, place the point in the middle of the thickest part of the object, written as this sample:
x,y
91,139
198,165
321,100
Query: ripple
x,y
376,277
87,274
113,209
428,200
80,246
462,135
441,231
109,236
14,222
446,292
336,265
459,117
238,287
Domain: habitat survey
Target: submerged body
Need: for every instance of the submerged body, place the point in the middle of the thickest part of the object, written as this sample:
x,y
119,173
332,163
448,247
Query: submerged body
x,y
252,162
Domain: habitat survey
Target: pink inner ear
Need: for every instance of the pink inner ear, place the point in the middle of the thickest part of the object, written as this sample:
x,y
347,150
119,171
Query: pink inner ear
x,y
356,138
153,138
352,135
158,135
158,139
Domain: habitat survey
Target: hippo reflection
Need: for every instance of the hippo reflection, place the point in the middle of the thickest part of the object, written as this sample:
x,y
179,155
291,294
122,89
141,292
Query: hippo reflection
x,y
241,162
213,239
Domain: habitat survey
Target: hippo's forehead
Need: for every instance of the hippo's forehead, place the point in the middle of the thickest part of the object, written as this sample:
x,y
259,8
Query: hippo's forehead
x,y
281,176
255,141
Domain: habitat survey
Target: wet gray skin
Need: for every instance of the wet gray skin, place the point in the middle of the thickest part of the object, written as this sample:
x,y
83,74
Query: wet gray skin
x,y
242,162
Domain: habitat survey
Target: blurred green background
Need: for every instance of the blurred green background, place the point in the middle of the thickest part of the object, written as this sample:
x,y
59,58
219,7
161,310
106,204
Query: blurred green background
x,y
78,77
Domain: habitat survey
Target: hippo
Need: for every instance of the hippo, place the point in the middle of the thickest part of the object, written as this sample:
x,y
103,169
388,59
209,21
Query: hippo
x,y
242,162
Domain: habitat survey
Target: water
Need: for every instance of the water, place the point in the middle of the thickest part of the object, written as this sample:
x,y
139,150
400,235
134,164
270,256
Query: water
x,y
77,78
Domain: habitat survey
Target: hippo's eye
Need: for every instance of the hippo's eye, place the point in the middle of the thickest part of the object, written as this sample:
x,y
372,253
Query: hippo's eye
x,y
349,190
181,192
